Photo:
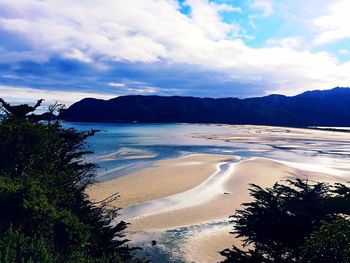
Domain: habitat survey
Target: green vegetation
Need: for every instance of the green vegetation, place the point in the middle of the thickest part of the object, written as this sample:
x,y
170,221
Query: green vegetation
x,y
45,213
47,217
331,243
295,221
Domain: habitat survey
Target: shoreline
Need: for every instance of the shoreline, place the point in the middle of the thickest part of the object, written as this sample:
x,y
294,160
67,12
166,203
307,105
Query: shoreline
x,y
321,128
207,191
203,246
261,171
163,178
189,191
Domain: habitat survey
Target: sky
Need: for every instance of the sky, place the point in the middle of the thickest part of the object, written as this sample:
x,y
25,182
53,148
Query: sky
x,y
65,50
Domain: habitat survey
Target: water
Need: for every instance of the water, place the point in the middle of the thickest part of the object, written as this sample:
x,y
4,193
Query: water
x,y
170,245
120,149
123,148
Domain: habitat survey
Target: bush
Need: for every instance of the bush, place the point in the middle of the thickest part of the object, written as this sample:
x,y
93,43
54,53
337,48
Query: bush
x,y
279,219
43,178
16,247
331,243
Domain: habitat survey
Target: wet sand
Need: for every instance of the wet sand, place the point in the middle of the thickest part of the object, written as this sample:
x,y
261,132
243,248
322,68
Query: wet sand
x,y
285,138
211,241
191,190
165,178
260,171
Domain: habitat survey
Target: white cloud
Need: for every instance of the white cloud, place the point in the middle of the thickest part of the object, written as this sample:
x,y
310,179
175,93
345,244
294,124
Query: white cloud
x,y
116,84
205,15
334,25
293,42
30,95
343,52
77,55
143,90
264,5
150,31
14,56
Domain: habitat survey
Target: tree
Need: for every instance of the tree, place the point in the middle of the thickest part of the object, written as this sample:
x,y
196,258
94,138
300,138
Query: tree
x,y
43,178
279,219
331,243
16,247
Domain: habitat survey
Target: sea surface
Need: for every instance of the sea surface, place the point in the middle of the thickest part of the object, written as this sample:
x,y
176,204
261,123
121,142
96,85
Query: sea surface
x,y
120,149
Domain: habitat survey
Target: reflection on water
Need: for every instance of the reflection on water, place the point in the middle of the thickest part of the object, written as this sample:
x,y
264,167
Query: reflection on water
x,y
145,143
123,148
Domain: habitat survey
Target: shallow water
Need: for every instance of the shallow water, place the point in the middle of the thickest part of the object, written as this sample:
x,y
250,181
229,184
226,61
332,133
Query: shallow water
x,y
123,148
170,243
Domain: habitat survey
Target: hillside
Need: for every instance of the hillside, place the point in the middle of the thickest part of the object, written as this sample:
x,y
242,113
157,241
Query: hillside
x,y
312,108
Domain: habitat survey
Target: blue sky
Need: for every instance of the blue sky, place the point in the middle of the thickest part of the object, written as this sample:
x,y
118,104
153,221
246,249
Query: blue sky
x,y
66,50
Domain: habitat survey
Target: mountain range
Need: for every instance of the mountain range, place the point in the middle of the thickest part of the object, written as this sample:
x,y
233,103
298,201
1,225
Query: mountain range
x,y
311,108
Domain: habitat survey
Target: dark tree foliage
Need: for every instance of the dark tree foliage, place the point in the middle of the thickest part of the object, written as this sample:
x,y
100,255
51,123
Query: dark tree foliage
x,y
276,223
18,111
46,215
16,247
331,243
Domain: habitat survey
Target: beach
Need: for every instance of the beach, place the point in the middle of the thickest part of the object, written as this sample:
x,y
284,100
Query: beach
x,y
197,189
174,131
164,178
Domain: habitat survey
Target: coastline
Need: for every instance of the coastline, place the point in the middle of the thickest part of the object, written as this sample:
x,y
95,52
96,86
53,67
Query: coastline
x,y
261,171
164,178
196,189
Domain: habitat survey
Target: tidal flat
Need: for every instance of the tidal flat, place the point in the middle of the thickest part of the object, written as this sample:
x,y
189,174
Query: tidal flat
x,y
179,183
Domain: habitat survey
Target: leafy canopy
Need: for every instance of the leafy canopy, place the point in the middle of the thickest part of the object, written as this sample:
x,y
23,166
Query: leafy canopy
x,y
280,223
47,217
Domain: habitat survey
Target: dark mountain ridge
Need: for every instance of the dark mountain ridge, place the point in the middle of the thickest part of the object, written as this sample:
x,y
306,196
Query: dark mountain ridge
x,y
311,108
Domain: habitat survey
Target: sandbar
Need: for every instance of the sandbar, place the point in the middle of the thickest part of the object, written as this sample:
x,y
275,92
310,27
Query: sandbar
x,y
164,178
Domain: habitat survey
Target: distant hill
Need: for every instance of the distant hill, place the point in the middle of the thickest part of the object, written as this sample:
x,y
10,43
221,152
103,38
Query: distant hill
x,y
312,108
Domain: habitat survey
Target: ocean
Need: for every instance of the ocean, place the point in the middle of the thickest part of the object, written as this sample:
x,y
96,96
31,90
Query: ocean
x,y
122,148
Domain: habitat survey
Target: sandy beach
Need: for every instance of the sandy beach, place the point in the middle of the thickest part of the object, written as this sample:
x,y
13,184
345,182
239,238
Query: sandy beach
x,y
260,171
165,178
200,188
269,134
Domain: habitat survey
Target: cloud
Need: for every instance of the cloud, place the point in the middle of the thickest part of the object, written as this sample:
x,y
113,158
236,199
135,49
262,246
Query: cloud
x,y
292,42
135,88
92,44
343,52
143,90
116,84
29,95
151,31
265,5
334,25
205,15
